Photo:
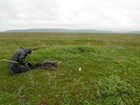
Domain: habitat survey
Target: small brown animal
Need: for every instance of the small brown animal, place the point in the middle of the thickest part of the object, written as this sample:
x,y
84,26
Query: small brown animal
x,y
50,65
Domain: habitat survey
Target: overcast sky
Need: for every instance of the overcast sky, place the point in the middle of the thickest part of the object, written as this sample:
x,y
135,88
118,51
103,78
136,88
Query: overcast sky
x,y
76,14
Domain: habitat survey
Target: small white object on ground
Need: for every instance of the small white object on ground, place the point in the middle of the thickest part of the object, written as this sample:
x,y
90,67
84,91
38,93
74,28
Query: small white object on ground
x,y
80,69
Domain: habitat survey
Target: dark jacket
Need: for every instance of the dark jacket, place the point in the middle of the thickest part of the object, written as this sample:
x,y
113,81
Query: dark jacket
x,y
19,56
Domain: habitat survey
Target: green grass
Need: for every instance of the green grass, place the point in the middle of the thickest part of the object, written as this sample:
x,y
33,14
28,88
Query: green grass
x,y
110,69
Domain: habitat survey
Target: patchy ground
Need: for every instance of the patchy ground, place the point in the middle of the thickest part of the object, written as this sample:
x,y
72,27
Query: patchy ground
x,y
96,69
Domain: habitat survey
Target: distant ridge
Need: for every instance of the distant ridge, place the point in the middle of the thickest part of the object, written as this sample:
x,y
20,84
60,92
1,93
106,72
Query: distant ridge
x,y
60,30
135,32
72,31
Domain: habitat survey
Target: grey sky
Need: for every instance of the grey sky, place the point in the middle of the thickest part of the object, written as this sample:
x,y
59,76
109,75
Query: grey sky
x,y
90,14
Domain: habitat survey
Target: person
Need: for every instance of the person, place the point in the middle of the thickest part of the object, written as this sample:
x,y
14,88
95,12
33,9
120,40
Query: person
x,y
21,65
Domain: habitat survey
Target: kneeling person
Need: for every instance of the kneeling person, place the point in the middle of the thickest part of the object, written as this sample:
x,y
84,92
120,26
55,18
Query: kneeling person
x,y
21,65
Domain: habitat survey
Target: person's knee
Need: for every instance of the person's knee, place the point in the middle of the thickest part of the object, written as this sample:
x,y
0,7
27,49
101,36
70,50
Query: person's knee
x,y
17,69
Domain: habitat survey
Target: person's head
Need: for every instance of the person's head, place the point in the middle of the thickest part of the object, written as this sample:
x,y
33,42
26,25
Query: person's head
x,y
28,50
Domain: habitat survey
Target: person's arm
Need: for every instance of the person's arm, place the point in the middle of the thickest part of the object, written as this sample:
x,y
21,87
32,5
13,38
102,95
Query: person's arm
x,y
21,59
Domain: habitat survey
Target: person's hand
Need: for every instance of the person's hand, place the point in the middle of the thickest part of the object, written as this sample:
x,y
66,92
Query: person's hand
x,y
28,64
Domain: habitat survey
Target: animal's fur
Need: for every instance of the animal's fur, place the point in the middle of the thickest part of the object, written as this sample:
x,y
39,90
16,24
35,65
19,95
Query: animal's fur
x,y
36,66
50,65
47,65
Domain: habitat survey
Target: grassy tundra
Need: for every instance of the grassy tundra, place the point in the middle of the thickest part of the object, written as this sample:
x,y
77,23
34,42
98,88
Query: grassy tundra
x,y
96,69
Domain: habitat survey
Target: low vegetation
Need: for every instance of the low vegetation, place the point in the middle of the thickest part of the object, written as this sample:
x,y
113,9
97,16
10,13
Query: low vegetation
x,y
96,69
